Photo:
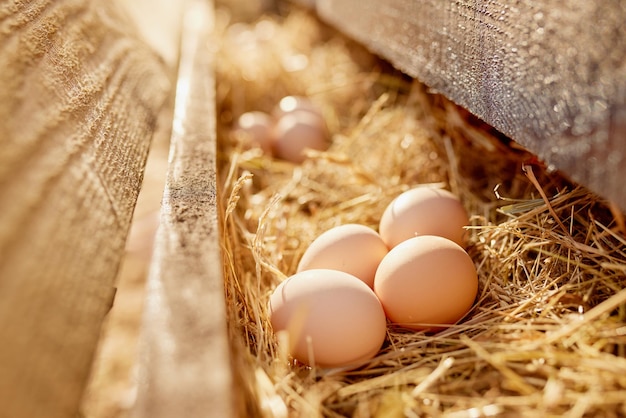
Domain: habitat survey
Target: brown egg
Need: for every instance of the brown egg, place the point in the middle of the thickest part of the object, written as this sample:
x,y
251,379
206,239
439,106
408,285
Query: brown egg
x,y
353,248
297,131
425,282
423,211
331,318
256,129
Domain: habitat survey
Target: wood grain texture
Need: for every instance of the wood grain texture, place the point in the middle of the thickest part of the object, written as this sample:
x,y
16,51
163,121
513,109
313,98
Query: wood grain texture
x,y
552,76
184,365
78,103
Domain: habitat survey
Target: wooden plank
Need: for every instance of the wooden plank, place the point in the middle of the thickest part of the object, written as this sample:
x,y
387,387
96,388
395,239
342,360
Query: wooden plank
x,y
184,368
549,75
78,104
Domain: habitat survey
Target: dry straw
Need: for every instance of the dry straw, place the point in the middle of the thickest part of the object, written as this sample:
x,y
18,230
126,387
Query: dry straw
x,y
547,335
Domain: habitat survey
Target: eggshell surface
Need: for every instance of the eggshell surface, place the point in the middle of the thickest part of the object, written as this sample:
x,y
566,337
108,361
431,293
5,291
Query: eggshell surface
x,y
256,129
295,132
423,211
332,318
426,280
352,248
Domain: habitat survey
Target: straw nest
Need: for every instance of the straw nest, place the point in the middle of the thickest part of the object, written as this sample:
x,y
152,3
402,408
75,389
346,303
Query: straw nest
x,y
547,334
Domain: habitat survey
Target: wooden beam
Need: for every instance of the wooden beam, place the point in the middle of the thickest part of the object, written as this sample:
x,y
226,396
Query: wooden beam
x,y
549,75
78,104
184,352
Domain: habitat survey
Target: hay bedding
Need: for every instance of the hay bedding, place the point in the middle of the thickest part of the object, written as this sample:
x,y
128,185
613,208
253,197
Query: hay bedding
x,y
547,334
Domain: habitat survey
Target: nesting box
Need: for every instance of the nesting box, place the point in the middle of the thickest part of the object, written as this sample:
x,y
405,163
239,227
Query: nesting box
x,y
465,53
551,305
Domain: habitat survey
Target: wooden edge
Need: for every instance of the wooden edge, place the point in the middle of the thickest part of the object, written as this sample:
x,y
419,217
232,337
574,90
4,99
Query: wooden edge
x,y
184,363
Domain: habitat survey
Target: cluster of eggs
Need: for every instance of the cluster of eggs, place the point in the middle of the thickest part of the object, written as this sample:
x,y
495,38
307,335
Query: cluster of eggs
x,y
351,280
294,126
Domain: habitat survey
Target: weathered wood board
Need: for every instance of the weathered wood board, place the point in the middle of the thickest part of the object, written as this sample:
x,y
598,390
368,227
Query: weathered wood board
x,y
78,103
551,76
184,365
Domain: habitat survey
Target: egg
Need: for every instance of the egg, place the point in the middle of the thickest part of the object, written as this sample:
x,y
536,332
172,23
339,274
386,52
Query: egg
x,y
299,125
331,318
297,131
256,129
426,280
423,211
352,248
